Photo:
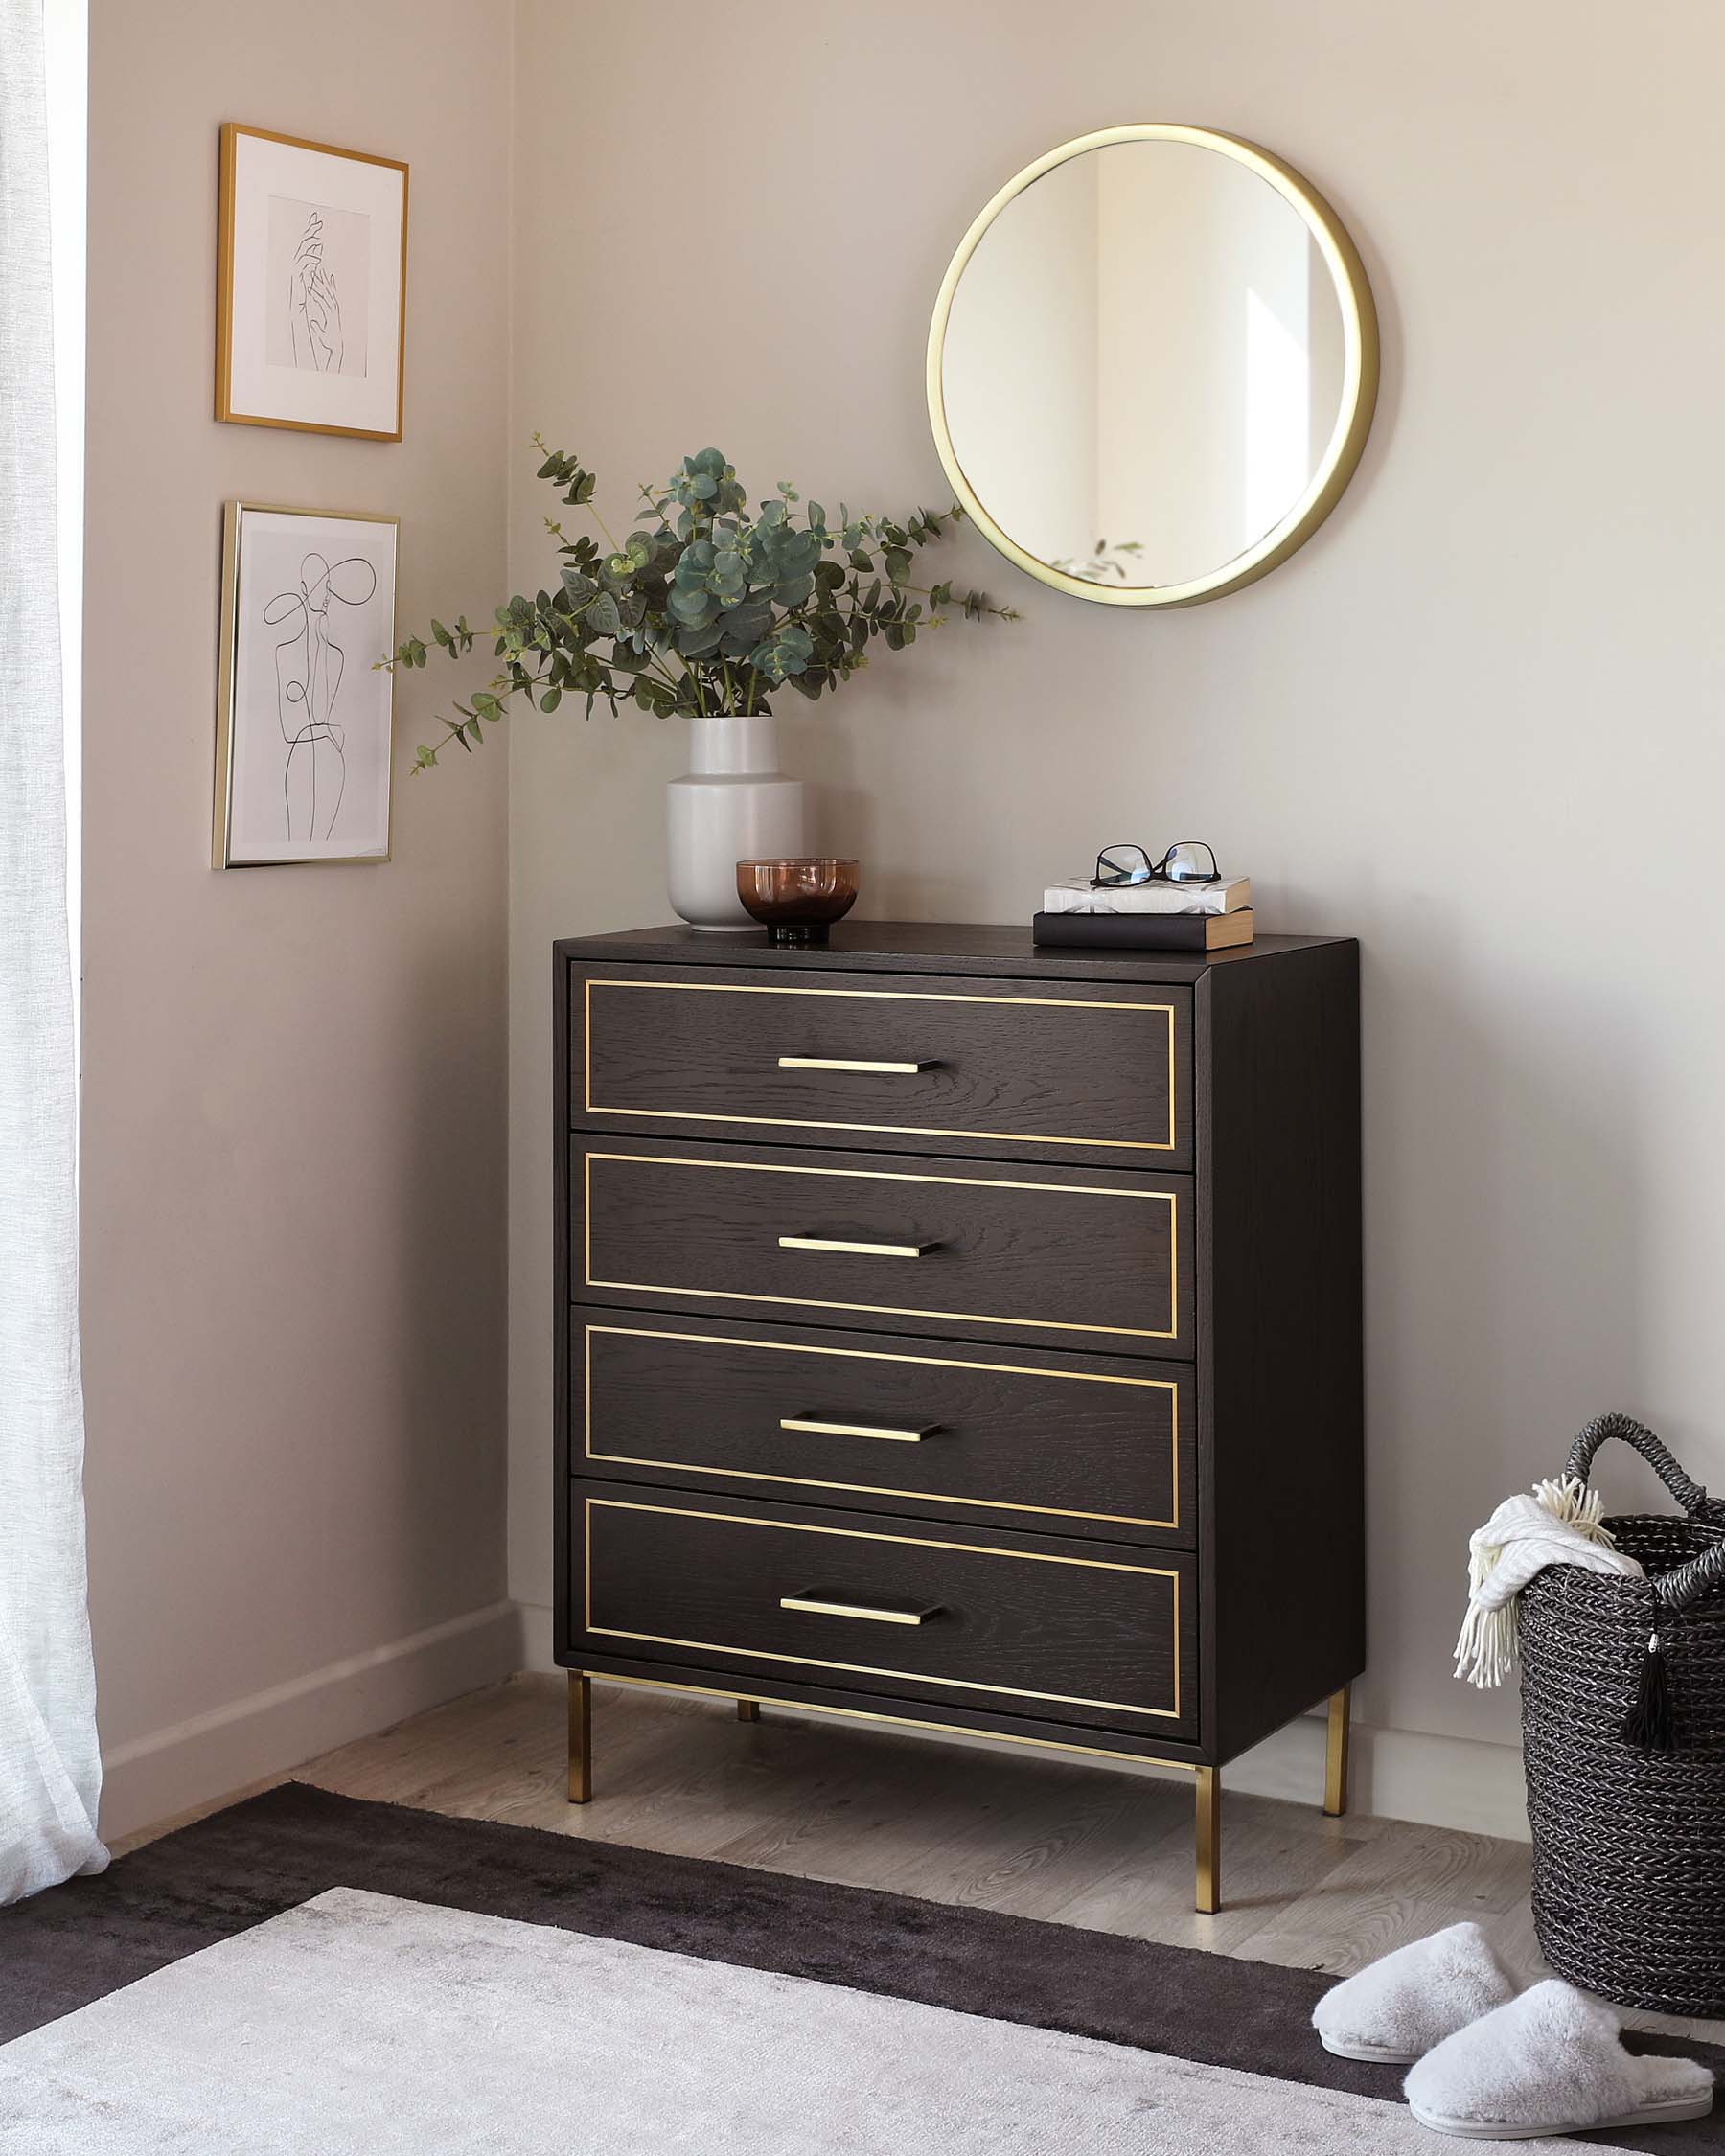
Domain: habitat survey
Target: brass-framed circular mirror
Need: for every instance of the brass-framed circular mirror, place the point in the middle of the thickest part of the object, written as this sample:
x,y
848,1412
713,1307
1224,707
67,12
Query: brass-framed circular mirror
x,y
1152,365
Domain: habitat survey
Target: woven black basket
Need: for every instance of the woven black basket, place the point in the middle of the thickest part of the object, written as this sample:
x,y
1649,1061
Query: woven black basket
x,y
1629,1828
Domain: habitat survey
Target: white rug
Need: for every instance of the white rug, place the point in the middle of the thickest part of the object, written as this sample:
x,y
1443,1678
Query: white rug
x,y
363,2024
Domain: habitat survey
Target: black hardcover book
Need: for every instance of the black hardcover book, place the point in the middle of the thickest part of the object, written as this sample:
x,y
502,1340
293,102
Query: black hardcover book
x,y
1144,932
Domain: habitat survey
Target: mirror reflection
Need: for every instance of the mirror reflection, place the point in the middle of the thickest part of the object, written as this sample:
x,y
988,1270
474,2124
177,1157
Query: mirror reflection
x,y
1143,364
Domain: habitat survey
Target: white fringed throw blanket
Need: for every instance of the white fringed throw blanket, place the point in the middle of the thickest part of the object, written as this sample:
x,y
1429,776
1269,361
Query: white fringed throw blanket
x,y
1561,1524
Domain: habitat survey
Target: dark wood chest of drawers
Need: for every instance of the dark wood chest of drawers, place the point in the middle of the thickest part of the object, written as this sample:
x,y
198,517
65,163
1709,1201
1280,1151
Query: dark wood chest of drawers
x,y
963,1335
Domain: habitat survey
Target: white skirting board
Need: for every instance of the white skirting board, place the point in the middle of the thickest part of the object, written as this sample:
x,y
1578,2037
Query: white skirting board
x,y
1396,1773
170,1771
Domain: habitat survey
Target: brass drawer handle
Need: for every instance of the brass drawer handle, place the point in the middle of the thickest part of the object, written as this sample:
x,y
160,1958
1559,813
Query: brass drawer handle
x,y
854,1063
823,1605
814,1427
856,1250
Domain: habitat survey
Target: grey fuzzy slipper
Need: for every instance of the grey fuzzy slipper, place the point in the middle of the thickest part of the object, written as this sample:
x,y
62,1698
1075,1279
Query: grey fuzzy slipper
x,y
1396,2010
1551,2062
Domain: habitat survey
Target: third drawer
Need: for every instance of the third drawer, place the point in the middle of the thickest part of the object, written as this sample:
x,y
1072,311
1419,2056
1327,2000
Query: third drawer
x,y
1084,1445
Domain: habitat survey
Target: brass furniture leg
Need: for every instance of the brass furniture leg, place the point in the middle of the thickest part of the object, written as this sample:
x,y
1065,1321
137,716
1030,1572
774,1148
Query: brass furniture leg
x,y
1210,1840
749,1710
581,1738
1335,1756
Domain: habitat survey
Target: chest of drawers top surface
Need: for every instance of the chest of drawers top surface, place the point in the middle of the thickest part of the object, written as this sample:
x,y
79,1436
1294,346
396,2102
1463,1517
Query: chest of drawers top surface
x,y
914,947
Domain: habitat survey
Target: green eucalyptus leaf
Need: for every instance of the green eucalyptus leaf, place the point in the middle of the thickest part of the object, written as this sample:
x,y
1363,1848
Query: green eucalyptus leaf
x,y
689,607
798,553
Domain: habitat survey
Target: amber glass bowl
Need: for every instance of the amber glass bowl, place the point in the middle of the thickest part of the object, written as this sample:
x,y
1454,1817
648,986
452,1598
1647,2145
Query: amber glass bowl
x,y
799,901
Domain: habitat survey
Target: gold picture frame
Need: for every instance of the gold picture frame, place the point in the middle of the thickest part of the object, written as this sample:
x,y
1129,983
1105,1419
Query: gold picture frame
x,y
252,763
270,369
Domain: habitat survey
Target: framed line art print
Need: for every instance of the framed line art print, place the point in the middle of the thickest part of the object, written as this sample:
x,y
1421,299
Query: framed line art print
x,y
305,717
311,287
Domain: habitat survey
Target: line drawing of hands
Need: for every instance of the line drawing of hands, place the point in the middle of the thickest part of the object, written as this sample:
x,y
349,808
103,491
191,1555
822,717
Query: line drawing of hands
x,y
314,304
323,316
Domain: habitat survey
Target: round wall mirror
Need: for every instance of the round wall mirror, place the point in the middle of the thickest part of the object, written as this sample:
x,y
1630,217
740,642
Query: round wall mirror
x,y
1152,365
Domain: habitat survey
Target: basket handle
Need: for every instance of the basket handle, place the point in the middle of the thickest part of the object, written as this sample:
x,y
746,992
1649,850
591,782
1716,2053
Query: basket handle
x,y
1688,1492
1684,1583
1688,1582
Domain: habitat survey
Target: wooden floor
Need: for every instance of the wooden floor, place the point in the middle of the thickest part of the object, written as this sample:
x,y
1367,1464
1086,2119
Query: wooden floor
x,y
1037,1837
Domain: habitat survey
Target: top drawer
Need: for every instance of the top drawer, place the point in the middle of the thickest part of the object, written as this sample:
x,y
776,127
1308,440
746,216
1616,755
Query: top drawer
x,y
1058,1071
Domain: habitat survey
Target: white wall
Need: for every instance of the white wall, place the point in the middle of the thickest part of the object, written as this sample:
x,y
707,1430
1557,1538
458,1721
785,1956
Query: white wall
x,y
293,1080
1475,722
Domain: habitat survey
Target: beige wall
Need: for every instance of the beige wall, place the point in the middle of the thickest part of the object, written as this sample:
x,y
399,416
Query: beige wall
x,y
293,1078
1476,722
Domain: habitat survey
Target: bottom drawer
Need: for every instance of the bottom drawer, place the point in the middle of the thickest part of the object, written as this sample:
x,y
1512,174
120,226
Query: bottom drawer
x,y
1037,1625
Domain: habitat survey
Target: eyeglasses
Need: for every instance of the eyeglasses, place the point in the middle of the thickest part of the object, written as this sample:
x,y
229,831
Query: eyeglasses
x,y
1190,860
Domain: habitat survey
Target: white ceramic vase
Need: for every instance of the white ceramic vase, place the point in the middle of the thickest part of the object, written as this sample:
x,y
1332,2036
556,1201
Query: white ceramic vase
x,y
734,804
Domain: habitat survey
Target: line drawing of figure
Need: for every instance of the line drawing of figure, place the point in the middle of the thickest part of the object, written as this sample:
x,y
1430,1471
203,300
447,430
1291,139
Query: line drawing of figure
x,y
313,304
308,666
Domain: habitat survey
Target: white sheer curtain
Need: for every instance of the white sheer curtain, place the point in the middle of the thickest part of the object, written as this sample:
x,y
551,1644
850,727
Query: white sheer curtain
x,y
50,1771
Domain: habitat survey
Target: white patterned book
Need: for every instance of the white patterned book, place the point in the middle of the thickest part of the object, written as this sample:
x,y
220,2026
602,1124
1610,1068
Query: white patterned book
x,y
1073,894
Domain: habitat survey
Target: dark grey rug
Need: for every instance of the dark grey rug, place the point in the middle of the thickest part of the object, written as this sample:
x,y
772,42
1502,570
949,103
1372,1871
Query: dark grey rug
x,y
244,1866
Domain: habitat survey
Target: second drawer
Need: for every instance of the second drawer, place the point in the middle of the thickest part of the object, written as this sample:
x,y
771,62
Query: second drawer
x,y
1093,1446
1062,1257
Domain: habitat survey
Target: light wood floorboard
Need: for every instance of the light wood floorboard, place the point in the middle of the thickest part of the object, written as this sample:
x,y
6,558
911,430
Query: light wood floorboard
x,y
867,1807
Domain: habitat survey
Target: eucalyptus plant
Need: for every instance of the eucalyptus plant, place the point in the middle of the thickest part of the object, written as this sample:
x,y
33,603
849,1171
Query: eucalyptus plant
x,y
708,609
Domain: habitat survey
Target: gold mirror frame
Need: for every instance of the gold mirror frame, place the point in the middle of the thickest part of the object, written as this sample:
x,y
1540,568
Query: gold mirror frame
x,y
1359,373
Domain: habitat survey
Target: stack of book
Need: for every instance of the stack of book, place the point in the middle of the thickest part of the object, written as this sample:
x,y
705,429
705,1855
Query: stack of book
x,y
1156,916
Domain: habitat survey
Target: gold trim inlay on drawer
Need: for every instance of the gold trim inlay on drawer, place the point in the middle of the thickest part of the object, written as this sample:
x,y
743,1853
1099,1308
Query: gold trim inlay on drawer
x,y
881,995
1168,1198
877,1489
868,1669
